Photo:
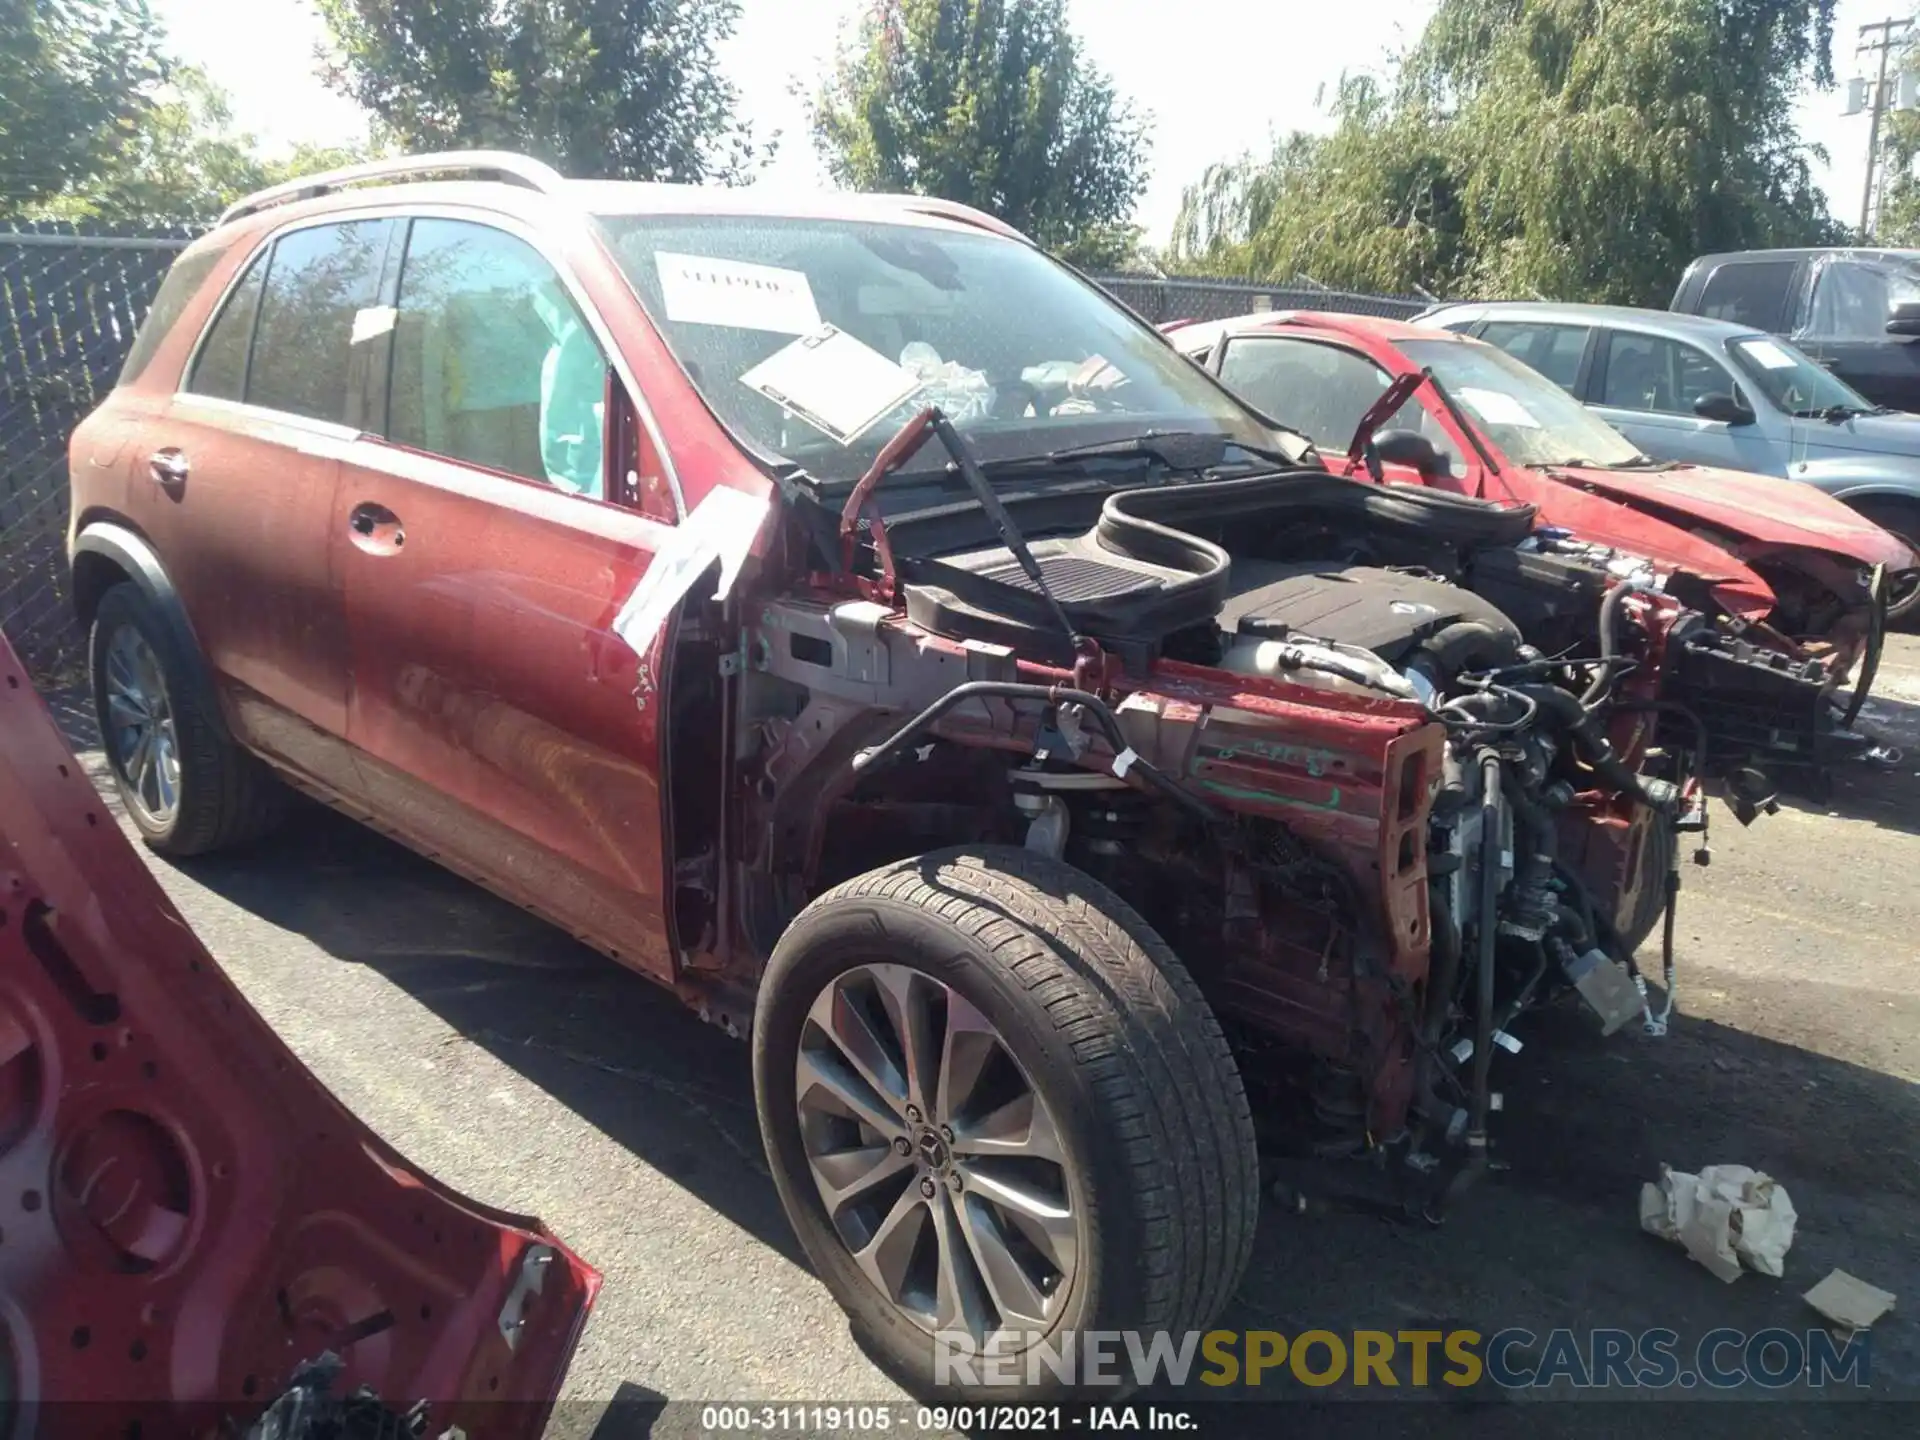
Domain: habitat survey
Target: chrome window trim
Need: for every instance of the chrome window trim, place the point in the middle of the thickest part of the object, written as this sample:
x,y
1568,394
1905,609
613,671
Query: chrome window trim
x,y
507,224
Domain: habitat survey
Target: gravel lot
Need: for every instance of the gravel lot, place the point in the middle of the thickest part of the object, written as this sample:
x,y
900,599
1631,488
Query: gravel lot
x,y
532,1074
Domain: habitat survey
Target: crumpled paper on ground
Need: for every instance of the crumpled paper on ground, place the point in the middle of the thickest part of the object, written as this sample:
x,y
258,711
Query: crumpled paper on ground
x,y
1725,1216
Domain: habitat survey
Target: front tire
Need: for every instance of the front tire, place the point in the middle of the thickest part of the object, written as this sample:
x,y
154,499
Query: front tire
x,y
998,1110
1900,518
187,787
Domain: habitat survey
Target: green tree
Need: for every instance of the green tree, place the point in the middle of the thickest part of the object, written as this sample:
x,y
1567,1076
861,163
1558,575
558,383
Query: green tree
x,y
603,89
184,160
990,103
74,83
1579,149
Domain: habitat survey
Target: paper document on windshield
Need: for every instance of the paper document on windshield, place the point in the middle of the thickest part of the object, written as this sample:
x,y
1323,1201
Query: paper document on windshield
x,y
1497,408
721,528
703,290
836,384
1770,354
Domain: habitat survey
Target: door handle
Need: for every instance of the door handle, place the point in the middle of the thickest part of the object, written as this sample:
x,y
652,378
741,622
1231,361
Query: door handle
x,y
168,467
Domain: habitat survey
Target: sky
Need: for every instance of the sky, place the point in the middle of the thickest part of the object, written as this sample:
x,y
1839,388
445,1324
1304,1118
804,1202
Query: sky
x,y
1225,78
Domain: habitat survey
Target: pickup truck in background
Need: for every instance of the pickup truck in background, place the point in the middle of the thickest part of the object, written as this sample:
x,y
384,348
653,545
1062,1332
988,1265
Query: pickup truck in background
x,y
1855,311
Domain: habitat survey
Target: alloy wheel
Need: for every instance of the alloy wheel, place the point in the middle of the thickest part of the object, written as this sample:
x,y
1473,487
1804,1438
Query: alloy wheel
x,y
141,737
935,1155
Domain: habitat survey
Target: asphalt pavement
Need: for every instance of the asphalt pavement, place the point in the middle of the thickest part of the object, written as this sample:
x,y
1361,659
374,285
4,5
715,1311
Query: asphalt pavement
x,y
532,1074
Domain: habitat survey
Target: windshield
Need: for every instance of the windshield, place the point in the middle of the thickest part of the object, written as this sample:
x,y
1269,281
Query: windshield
x,y
1531,420
1024,357
1791,381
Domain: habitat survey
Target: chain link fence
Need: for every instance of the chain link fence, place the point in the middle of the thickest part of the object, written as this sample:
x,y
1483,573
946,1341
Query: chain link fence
x,y
69,305
1177,297
70,302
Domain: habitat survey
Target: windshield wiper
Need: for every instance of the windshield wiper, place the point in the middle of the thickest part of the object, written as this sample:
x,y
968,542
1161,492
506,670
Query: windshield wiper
x,y
1175,449
932,424
1638,462
1840,414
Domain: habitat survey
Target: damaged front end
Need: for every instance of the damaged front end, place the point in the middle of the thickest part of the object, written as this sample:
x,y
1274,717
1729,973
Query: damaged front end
x,y
1385,767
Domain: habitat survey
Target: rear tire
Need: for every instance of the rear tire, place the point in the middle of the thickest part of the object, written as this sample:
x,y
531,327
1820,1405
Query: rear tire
x,y
187,787
1158,1174
1901,518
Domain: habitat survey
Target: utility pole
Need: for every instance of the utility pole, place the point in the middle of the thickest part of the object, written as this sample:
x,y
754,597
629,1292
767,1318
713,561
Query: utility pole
x,y
1890,31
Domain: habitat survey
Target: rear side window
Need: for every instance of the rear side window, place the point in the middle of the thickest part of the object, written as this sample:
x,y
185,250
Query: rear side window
x,y
183,282
318,281
220,369
493,363
1750,293
1554,350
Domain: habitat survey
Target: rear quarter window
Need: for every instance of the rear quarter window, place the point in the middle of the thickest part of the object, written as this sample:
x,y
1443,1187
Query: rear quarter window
x,y
1750,292
220,369
176,293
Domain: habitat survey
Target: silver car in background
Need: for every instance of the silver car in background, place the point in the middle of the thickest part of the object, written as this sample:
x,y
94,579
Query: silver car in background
x,y
1710,392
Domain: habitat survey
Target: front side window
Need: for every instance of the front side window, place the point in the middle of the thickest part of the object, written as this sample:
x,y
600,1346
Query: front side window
x,y
1554,350
1852,301
1750,293
493,363
1665,377
814,340
318,281
1320,390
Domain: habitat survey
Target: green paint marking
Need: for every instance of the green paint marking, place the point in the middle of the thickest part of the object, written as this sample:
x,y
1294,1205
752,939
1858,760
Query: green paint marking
x,y
1267,797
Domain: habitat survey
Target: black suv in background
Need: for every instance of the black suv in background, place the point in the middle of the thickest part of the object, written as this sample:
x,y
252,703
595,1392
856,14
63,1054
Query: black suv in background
x,y
1857,312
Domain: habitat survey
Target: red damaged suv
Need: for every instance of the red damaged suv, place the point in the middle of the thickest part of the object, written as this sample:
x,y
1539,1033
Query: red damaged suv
x,y
830,610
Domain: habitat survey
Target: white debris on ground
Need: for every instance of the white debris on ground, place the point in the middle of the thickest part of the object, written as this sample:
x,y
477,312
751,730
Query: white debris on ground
x,y
1725,1216
1849,1302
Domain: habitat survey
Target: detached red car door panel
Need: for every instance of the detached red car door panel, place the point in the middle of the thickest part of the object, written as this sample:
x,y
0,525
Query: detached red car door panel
x,y
191,1215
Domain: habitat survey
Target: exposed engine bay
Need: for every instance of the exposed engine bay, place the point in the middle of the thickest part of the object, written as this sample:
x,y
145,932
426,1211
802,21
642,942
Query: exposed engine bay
x,y
1387,768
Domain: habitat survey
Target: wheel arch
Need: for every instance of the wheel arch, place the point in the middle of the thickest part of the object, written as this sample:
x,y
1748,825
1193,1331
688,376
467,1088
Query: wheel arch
x,y
105,554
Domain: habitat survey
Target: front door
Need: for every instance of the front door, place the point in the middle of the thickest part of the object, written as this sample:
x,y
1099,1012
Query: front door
x,y
503,727
1646,387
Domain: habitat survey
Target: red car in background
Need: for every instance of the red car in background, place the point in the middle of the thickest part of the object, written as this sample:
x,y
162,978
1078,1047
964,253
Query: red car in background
x,y
1797,562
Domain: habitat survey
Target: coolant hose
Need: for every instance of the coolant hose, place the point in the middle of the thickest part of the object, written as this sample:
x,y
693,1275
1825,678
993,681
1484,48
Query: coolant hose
x,y
1490,845
1610,609
1564,706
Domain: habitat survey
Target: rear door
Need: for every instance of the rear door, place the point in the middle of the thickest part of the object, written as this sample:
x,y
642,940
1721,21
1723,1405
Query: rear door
x,y
503,727
244,464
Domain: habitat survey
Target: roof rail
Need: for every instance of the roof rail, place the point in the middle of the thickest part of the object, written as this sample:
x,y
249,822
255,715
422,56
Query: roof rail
x,y
501,165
